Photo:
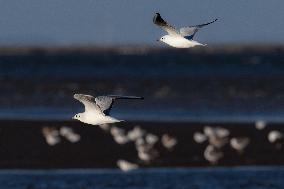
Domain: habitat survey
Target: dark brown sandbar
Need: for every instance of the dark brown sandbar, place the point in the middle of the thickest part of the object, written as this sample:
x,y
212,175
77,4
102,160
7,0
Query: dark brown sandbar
x,y
22,145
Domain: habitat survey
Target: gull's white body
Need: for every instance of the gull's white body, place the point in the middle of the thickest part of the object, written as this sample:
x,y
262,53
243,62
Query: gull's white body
x,y
179,41
97,109
93,118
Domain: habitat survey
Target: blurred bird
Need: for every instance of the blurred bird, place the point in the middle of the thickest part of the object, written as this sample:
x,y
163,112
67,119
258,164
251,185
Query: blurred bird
x,y
97,109
116,131
182,38
168,141
51,135
119,135
147,153
126,165
69,134
217,136
277,138
274,136
216,132
151,139
213,154
260,125
199,137
135,133
239,144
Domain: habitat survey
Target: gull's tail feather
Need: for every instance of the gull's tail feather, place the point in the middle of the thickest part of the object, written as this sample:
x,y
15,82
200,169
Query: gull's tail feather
x,y
200,44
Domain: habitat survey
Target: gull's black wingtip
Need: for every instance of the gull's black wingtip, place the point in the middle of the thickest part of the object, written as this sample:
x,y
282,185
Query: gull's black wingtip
x,y
156,16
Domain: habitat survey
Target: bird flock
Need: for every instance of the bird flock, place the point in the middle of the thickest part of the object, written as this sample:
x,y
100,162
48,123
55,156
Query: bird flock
x,y
146,144
217,138
54,135
97,112
150,148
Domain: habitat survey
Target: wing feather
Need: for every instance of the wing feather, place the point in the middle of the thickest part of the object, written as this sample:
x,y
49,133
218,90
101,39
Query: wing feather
x,y
159,21
88,101
190,31
105,102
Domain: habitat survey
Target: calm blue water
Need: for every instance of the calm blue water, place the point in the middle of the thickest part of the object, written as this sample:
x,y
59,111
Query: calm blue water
x,y
195,178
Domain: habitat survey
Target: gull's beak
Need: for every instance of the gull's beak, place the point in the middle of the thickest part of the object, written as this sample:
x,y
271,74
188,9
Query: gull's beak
x,y
158,40
73,117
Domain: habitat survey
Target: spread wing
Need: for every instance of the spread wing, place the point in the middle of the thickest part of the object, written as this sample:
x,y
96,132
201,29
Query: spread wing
x,y
159,21
88,101
190,31
105,102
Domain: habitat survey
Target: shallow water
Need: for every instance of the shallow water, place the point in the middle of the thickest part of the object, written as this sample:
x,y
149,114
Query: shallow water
x,y
195,178
177,85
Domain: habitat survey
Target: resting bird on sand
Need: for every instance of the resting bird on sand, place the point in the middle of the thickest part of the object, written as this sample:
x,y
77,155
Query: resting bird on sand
x,y
182,38
97,109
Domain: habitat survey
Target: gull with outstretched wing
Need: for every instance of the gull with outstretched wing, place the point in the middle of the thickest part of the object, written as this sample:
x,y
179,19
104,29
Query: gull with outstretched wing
x,y
97,109
182,38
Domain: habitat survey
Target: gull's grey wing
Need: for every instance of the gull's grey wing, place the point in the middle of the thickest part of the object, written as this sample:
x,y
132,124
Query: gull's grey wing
x,y
105,102
88,101
159,21
190,31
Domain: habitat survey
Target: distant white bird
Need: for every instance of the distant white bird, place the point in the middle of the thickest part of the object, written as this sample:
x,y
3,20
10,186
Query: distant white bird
x,y
136,133
151,139
199,137
179,39
274,136
216,132
116,131
168,141
119,135
277,138
213,154
239,144
69,134
140,142
51,135
147,153
218,142
217,136
260,125
97,109
126,165
121,139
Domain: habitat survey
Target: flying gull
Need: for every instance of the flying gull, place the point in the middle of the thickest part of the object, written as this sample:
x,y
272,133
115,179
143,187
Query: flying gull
x,y
182,38
97,109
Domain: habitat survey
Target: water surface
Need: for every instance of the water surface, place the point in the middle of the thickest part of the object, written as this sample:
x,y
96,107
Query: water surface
x,y
196,178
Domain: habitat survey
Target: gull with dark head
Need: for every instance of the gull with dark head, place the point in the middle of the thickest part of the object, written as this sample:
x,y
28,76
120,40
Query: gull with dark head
x,y
97,109
182,38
